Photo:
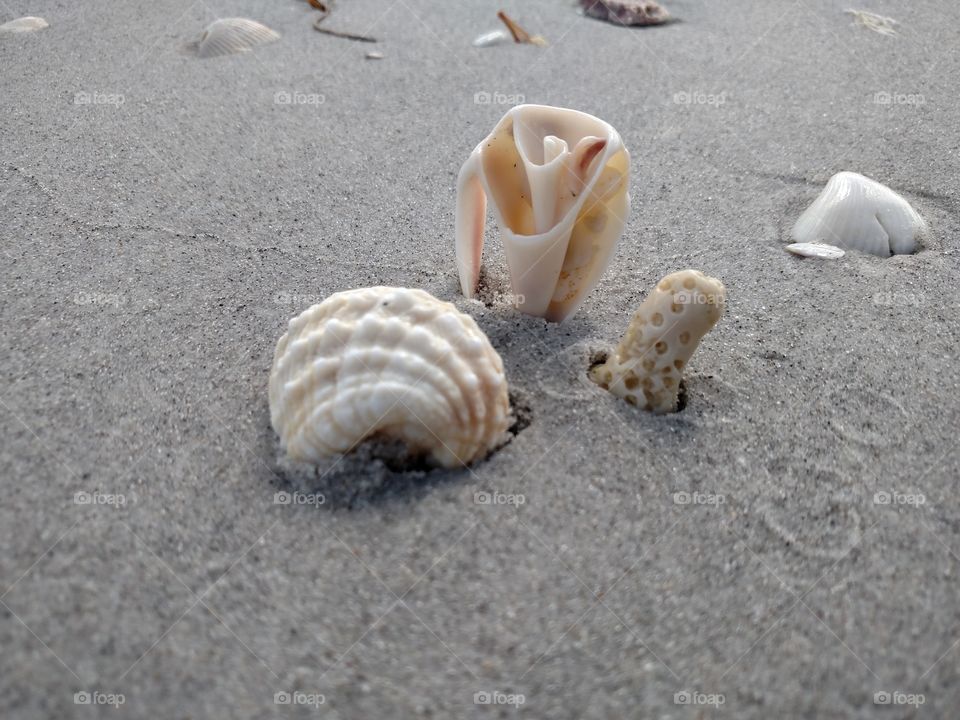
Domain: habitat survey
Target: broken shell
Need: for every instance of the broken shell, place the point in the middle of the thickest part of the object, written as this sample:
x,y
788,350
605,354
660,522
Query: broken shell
x,y
390,363
24,24
647,365
558,180
872,21
626,12
494,37
855,212
821,251
233,35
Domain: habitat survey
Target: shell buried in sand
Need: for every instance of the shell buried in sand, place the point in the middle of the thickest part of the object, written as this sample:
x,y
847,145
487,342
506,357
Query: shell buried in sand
x,y
24,24
857,213
821,251
390,363
558,183
647,365
228,36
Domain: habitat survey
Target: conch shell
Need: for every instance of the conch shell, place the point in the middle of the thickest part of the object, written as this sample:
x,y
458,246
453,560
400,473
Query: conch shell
x,y
391,363
558,180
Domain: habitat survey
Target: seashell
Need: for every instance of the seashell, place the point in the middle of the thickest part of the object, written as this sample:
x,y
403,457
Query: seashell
x,y
389,363
558,180
647,365
494,37
24,24
821,251
855,212
872,21
233,35
625,12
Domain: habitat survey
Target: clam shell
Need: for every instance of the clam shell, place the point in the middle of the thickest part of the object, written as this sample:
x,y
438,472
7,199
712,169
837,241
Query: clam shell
x,y
821,251
391,363
558,183
24,24
233,35
855,212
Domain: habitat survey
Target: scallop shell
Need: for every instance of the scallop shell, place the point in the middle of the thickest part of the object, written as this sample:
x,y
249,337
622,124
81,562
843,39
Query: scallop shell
x,y
855,212
233,35
821,251
24,24
558,180
391,363
647,365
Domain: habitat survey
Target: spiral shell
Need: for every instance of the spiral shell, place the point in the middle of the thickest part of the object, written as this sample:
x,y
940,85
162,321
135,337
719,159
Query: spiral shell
x,y
391,363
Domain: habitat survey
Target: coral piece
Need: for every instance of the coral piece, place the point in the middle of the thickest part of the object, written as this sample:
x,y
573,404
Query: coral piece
x,y
647,365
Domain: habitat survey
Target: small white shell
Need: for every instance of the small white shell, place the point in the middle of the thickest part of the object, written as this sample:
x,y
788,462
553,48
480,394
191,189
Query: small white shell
x,y
855,212
233,35
494,37
24,24
821,251
557,181
388,362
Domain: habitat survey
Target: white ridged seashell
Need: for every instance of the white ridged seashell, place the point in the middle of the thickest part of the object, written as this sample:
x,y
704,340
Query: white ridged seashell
x,y
821,251
233,35
647,365
855,212
24,24
558,182
389,363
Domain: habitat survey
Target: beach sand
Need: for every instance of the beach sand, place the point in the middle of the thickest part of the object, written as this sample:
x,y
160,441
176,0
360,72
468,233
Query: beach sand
x,y
163,218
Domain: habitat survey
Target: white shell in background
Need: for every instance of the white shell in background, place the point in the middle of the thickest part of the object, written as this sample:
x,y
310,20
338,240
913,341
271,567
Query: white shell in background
x,y
855,212
233,35
821,251
392,363
558,182
24,24
494,37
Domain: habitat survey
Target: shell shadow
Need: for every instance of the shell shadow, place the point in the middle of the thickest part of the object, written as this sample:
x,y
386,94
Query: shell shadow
x,y
378,471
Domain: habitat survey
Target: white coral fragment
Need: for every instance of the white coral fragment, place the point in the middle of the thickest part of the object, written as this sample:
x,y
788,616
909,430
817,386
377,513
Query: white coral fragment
x,y
392,363
647,365
855,212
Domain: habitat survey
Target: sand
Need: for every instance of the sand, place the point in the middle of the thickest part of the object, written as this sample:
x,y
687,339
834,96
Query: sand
x,y
154,249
